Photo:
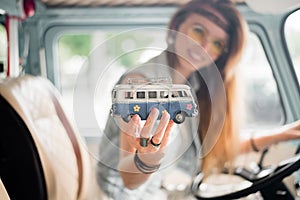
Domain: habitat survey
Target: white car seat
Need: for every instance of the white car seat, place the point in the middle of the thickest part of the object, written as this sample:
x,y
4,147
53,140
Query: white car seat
x,y
42,156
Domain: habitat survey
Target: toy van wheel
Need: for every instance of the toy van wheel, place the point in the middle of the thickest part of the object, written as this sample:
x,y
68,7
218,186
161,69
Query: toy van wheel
x,y
179,117
127,118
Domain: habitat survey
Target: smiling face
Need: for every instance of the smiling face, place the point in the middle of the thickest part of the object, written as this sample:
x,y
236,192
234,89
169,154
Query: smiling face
x,y
199,42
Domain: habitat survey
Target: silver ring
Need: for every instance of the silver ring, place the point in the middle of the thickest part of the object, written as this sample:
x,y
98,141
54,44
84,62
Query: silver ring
x,y
154,144
144,142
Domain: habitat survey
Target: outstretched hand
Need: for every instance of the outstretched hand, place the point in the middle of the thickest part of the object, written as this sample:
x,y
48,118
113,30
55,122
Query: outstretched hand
x,y
142,137
291,131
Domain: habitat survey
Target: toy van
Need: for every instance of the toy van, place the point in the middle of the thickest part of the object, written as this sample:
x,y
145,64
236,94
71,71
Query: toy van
x,y
139,98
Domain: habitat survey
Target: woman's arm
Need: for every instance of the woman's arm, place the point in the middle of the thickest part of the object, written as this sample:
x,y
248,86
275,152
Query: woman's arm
x,y
288,132
131,150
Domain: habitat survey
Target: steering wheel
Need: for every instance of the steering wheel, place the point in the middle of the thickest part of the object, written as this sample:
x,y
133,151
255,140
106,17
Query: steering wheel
x,y
273,178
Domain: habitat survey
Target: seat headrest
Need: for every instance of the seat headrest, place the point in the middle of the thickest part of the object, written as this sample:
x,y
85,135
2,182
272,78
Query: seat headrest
x,y
64,156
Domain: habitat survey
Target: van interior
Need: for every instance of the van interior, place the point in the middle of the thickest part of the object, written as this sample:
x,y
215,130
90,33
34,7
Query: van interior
x,y
55,53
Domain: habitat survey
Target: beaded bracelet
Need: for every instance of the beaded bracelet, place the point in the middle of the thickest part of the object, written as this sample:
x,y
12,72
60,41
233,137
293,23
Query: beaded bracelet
x,y
254,147
143,167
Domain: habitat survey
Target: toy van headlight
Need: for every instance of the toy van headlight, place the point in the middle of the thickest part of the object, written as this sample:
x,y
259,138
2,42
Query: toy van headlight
x,y
195,113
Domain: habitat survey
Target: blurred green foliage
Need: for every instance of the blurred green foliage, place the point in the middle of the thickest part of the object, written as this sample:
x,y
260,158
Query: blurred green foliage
x,y
3,42
81,44
126,47
70,45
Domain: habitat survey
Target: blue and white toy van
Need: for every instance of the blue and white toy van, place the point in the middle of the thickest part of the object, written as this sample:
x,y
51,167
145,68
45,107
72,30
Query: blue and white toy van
x,y
139,98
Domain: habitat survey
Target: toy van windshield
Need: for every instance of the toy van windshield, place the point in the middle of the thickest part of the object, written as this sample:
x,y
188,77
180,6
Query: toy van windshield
x,y
139,96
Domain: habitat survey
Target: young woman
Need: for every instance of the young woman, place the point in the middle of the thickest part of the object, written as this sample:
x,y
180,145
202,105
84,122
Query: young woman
x,y
205,42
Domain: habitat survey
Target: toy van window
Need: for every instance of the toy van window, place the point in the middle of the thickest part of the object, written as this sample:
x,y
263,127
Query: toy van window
x,y
177,94
164,94
292,32
114,95
174,94
140,95
152,94
184,94
181,94
128,95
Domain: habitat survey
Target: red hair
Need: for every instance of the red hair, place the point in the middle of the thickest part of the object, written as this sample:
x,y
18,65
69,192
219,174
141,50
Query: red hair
x,y
226,147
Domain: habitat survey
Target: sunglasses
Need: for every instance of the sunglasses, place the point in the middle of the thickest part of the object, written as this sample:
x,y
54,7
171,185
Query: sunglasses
x,y
199,34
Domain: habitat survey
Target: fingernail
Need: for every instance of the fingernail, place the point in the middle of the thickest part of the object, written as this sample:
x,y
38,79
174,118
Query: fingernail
x,y
165,115
135,117
136,133
155,111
